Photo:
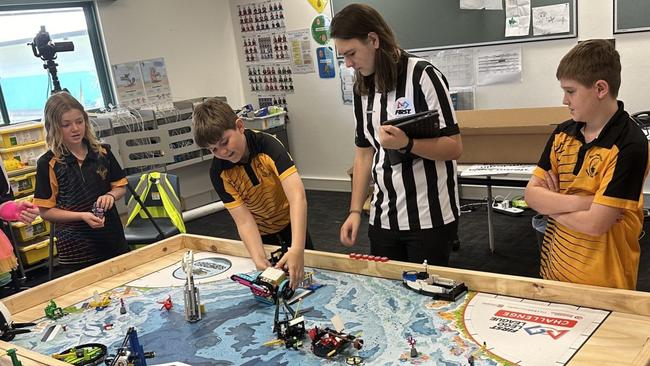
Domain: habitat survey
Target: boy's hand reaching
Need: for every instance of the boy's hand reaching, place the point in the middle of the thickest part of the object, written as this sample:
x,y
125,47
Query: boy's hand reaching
x,y
92,220
261,263
294,260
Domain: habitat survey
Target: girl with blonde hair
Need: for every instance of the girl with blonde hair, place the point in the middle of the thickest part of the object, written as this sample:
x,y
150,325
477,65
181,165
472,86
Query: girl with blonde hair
x,y
77,183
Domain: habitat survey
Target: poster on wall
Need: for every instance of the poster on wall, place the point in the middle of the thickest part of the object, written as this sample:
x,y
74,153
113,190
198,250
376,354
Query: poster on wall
x,y
129,85
250,48
260,16
265,48
318,5
300,46
320,29
270,78
347,82
497,65
325,56
156,83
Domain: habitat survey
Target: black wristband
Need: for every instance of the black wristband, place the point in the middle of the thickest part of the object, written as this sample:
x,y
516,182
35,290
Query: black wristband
x,y
407,149
110,194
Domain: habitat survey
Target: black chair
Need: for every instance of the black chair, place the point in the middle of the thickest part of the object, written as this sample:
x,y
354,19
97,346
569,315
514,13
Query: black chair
x,y
148,228
642,119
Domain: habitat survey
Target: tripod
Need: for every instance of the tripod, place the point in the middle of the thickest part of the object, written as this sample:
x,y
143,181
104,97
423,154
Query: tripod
x,y
50,66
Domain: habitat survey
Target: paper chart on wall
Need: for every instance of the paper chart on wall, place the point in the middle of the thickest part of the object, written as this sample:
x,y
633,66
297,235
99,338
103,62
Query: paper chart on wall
x,y
499,65
129,84
266,50
300,50
551,19
481,4
347,82
156,82
517,18
457,65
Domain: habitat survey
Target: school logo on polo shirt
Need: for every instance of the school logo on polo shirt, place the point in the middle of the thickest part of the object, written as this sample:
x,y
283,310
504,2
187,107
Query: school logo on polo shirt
x,y
102,172
403,106
592,166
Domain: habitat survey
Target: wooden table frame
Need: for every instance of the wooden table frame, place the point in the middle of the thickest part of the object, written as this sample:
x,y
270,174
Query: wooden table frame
x,y
623,339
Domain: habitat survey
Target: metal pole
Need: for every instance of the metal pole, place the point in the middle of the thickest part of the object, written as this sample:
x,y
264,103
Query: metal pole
x,y
489,215
3,107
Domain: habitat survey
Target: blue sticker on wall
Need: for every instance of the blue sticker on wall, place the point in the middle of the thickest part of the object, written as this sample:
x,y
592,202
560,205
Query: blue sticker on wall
x,y
325,57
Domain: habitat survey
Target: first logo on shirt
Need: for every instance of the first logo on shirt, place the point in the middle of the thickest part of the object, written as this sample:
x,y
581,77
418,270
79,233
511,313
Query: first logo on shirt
x,y
403,106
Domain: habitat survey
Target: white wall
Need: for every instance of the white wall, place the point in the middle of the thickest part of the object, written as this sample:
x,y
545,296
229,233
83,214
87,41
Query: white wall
x,y
195,37
539,87
321,132
200,40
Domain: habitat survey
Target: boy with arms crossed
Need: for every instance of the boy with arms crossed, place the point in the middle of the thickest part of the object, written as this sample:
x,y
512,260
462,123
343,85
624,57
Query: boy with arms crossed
x,y
590,177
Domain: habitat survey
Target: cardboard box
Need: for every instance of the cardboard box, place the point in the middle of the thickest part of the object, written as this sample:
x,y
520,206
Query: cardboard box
x,y
516,136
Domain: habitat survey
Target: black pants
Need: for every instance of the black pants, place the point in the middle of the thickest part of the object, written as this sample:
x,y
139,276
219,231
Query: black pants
x,y
414,246
283,238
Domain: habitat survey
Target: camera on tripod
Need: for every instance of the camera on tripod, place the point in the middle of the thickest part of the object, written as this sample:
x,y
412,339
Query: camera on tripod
x,y
44,48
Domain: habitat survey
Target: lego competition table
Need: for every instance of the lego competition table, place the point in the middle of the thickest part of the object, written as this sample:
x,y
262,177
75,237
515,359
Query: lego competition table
x,y
503,320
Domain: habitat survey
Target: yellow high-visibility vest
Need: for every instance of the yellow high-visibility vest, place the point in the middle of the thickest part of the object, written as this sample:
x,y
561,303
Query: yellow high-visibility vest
x,y
171,204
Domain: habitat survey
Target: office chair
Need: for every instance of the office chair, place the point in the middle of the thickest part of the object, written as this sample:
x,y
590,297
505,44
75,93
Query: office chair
x,y
161,217
643,120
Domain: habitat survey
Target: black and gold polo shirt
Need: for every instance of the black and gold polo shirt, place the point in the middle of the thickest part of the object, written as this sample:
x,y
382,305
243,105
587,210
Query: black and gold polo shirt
x,y
257,184
73,185
612,168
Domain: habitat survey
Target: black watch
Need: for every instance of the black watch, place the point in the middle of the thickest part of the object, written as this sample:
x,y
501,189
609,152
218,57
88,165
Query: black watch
x,y
407,149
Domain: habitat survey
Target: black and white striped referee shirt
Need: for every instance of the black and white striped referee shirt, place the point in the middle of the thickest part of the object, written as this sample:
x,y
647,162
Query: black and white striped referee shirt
x,y
410,192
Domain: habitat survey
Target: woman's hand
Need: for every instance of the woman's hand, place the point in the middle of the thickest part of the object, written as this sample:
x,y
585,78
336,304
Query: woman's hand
x,y
391,137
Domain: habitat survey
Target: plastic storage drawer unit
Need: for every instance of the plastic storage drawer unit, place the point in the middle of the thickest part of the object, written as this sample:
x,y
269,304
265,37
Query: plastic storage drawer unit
x,y
35,251
36,229
21,134
23,184
26,155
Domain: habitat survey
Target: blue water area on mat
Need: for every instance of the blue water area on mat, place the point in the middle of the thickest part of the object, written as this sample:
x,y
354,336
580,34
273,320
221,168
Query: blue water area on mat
x,y
235,326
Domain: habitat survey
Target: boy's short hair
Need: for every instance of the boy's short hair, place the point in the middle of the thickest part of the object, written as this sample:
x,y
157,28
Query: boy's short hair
x,y
590,61
211,119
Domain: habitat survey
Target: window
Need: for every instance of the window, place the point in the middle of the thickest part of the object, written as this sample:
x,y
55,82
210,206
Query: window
x,y
25,83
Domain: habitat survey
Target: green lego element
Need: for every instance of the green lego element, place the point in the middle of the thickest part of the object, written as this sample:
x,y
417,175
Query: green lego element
x,y
72,310
52,311
14,358
91,353
519,204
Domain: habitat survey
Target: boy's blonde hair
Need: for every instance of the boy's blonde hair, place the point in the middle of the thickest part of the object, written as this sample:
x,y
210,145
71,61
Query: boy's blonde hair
x,y
590,61
56,105
211,119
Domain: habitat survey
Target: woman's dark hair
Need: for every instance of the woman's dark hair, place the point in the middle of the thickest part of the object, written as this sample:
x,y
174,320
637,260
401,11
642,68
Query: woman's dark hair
x,y
355,21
